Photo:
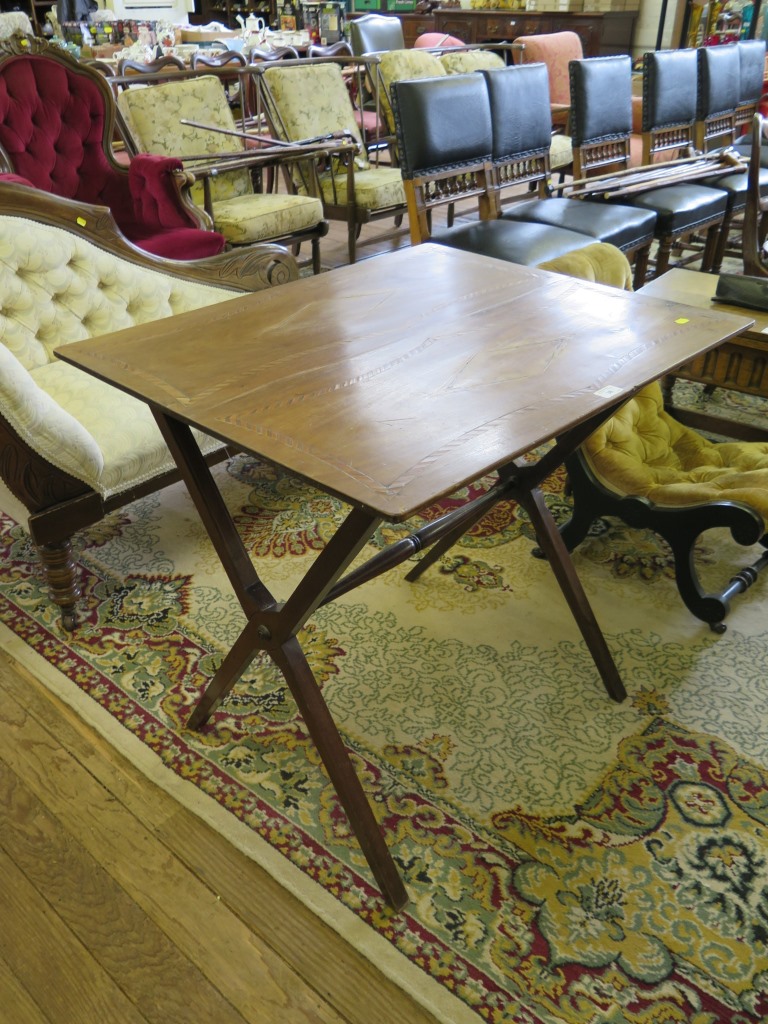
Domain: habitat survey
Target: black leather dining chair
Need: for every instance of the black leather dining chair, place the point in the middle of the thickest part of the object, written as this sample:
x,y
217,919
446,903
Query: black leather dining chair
x,y
601,107
752,53
445,140
718,97
520,116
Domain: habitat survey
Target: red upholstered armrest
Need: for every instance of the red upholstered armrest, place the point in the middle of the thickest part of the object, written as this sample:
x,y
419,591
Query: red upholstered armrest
x,y
16,179
155,193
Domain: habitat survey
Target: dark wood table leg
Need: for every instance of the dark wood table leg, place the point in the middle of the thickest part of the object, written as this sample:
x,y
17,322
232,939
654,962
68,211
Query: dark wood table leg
x,y
322,728
272,628
559,558
523,481
251,592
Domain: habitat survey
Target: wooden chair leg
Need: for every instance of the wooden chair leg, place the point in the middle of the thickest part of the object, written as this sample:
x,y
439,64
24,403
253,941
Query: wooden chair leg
x,y
640,267
352,238
722,242
679,527
711,247
663,256
60,572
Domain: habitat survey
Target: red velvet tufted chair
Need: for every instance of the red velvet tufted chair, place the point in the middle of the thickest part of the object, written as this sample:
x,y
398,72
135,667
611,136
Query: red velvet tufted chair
x,y
56,125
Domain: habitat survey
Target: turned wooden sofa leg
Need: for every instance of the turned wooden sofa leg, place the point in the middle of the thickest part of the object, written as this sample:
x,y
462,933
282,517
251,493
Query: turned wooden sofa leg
x,y
60,572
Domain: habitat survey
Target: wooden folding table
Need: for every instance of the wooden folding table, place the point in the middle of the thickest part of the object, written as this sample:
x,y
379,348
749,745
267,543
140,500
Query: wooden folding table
x,y
391,384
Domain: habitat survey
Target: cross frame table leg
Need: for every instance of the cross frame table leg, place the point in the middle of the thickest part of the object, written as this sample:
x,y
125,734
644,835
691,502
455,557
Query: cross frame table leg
x,y
564,570
523,487
334,755
272,628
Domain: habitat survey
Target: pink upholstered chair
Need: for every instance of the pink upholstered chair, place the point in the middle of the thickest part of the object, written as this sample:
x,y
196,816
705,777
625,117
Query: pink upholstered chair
x,y
556,50
57,120
436,40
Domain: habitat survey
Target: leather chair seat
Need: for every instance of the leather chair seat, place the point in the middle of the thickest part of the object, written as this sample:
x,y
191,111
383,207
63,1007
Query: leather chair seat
x,y
682,207
736,187
623,226
745,148
513,241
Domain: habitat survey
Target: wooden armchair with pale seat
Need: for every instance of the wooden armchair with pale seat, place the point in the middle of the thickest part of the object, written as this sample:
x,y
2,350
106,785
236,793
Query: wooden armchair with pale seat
x,y
232,60
397,66
72,448
412,64
190,118
309,99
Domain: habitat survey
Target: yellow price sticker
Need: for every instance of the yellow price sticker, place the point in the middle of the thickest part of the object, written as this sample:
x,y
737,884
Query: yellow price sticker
x,y
81,222
682,320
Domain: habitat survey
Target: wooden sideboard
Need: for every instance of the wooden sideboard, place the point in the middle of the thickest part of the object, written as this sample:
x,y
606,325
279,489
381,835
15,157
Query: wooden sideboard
x,y
602,34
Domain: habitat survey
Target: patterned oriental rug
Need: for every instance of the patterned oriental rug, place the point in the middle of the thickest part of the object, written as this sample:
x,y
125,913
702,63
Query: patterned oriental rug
x,y
568,859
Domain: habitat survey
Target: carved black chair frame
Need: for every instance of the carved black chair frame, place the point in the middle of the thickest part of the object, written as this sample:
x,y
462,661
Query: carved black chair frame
x,y
679,527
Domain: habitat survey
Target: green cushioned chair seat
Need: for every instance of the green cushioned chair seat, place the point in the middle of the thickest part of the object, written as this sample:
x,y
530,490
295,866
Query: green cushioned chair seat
x,y
560,152
376,188
644,451
464,61
252,218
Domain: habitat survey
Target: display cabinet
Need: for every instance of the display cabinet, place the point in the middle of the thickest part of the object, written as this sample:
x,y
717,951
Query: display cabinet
x,y
226,11
602,34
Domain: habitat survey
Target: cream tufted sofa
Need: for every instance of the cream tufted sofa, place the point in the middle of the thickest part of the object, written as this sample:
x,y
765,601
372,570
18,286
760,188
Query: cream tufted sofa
x,y
71,447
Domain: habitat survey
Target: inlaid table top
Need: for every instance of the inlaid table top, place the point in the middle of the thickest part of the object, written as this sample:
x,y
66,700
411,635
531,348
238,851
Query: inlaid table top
x,y
395,381
693,288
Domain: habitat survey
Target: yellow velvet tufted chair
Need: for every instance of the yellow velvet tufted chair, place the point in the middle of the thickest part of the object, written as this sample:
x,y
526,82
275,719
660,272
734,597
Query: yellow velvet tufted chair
x,y
645,468
652,472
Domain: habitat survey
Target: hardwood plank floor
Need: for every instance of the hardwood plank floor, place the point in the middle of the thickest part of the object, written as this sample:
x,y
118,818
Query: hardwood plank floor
x,y
120,905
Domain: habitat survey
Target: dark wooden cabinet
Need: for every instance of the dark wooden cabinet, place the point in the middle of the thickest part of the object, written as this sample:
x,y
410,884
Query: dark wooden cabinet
x,y
415,25
226,11
602,34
